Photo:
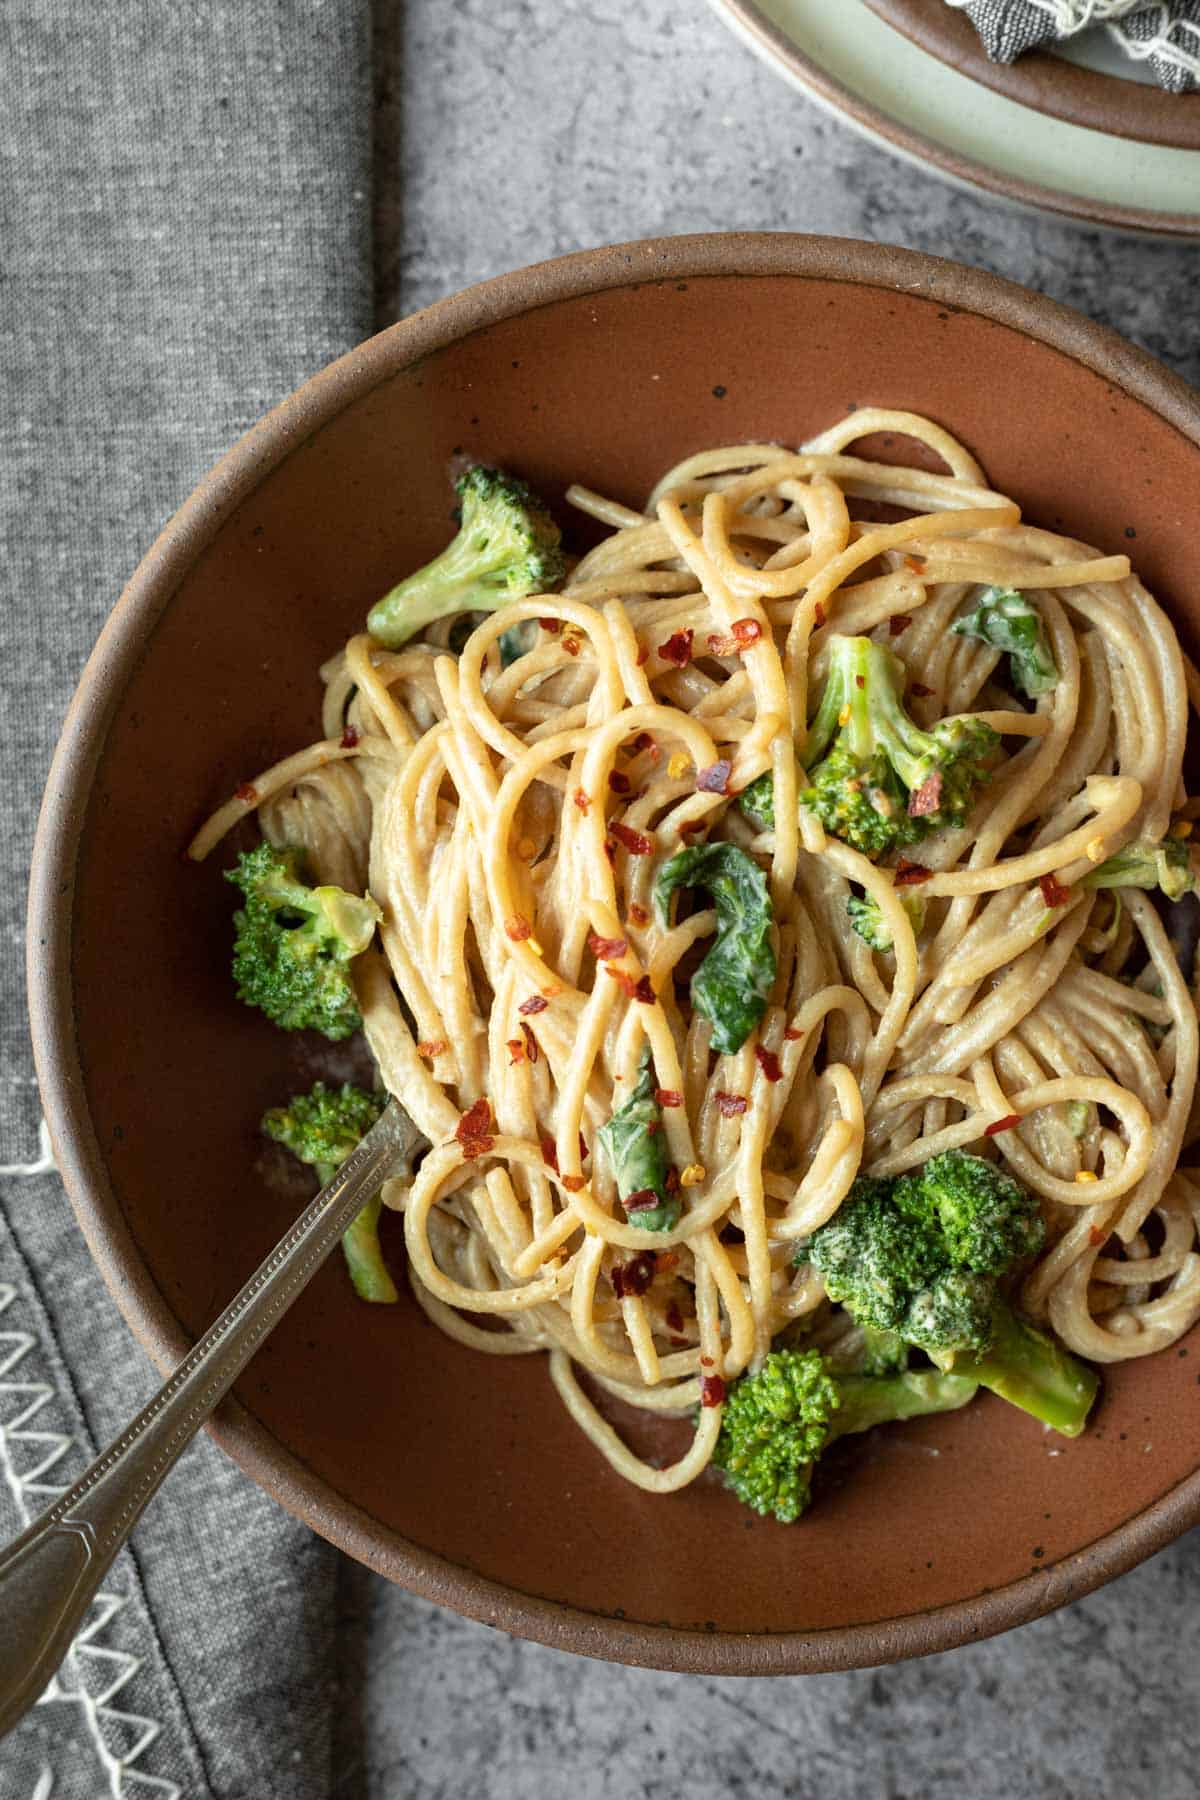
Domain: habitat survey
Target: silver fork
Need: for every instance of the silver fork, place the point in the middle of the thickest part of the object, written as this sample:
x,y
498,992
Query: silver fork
x,y
50,1574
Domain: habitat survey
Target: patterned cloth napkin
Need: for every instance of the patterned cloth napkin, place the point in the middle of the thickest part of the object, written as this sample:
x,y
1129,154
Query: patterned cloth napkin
x,y
1166,34
184,216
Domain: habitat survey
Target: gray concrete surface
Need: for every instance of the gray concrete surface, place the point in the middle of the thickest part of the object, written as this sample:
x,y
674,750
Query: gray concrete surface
x,y
507,131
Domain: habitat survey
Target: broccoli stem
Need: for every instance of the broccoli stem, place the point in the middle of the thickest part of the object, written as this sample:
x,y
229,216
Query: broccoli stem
x,y
1029,1370
363,1251
869,1400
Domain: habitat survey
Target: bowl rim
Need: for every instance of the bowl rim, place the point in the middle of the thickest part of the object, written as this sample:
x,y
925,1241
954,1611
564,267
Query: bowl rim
x,y
147,595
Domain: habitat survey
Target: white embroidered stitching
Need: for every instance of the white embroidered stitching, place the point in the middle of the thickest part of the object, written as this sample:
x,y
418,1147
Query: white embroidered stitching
x,y
31,1492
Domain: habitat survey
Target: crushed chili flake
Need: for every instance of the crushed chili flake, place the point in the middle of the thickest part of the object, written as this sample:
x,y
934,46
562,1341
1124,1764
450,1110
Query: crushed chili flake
x,y
581,800
553,626
915,563
714,779
518,928
516,1051
746,632
534,1004
643,655
768,1062
622,975
638,914
1004,1124
644,992
730,1105
665,1260
572,642
910,874
860,681
349,738
473,1130
431,1047
645,740
631,1279
1053,892
898,623
920,690
573,1183
818,615
645,1200
620,784
926,798
549,1153
247,794
671,1181
678,648
720,645
668,1097
636,842
792,1035
531,1043
674,1317
606,949
712,1390
1096,1237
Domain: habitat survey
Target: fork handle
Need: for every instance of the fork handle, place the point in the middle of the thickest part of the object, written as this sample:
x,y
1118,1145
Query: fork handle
x,y
50,1574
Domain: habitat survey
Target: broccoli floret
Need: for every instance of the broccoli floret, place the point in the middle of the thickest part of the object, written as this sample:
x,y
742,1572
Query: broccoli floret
x,y
507,547
1008,621
778,1421
868,921
884,783
1166,865
321,1128
293,944
922,1256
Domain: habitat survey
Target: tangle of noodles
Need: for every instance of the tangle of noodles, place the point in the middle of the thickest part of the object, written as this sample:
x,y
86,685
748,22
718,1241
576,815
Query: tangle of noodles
x,y
476,802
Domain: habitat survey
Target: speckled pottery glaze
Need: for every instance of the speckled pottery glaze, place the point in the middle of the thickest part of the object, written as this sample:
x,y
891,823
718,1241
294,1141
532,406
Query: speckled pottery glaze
x,y
456,1475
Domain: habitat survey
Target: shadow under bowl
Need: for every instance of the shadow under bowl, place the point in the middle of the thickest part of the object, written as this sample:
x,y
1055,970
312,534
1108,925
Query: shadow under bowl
x,y
456,1475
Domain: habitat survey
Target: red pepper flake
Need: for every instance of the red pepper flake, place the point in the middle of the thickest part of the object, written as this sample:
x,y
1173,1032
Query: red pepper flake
x,y
553,626
573,1183
818,615
534,1004
433,1047
671,1183
792,1035
730,1105
581,800
645,1200
768,1062
516,1051
606,949
638,914
1004,1124
349,738
920,690
665,1260
860,681
678,648
712,1390
668,1097
247,794
1053,892
645,741
899,622
572,643
584,1152
1096,1237
473,1130
620,784
643,655
674,1318
549,1153
926,798
914,562
636,842
531,1043
633,1278
714,779
518,928
644,992
626,980
746,632
720,645
910,874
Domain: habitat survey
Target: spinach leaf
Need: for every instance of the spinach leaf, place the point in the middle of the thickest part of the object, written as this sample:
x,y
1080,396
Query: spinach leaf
x,y
1009,621
731,985
634,1144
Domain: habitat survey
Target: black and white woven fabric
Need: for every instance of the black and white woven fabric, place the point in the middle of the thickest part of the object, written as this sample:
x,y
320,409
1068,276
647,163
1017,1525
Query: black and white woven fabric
x,y
1166,35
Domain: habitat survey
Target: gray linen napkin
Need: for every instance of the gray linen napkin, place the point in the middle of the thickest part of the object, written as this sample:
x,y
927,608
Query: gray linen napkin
x,y
1166,34
184,228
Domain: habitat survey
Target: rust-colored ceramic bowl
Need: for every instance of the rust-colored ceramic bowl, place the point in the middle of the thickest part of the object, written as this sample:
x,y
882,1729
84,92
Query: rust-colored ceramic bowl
x,y
457,1475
